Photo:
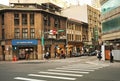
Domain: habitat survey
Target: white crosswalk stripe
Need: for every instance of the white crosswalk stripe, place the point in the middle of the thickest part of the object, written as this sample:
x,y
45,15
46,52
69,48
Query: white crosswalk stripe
x,y
87,67
65,74
48,76
27,79
70,72
76,69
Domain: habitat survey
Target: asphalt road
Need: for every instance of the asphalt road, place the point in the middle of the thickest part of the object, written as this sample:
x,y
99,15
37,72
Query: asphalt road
x,y
70,69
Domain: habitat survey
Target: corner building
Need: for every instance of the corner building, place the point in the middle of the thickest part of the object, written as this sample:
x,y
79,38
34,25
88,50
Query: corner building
x,y
110,22
111,27
27,30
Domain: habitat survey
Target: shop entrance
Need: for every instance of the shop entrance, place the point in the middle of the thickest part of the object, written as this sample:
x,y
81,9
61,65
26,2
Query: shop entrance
x,y
27,53
3,53
25,49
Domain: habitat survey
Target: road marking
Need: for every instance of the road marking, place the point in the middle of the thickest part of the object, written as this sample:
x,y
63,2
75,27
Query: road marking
x,y
76,69
56,77
76,75
27,79
91,68
68,71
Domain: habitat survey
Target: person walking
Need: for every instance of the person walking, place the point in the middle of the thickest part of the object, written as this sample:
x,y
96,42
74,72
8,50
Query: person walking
x,y
99,56
47,55
27,54
62,55
111,57
70,53
55,54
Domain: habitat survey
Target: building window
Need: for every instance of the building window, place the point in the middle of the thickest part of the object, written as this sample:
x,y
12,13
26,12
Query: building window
x,y
32,33
17,33
32,19
2,19
24,19
24,33
57,22
16,19
3,34
47,20
68,37
72,38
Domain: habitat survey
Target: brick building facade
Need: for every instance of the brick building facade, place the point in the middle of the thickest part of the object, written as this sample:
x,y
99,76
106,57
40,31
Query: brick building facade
x,y
22,31
35,30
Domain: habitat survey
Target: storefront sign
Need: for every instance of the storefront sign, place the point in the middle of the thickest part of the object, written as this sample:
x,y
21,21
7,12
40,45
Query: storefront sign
x,y
24,42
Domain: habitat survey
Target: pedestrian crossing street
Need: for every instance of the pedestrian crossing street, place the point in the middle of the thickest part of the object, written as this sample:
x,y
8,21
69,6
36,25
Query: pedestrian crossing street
x,y
64,73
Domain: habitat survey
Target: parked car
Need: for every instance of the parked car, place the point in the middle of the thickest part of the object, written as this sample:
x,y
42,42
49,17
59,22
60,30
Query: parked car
x,y
85,54
94,53
75,54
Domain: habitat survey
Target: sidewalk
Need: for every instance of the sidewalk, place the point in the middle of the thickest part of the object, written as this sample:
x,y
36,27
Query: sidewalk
x,y
68,60
103,63
82,59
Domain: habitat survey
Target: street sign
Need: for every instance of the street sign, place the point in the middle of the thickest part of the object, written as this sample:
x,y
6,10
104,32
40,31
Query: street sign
x,y
60,30
42,41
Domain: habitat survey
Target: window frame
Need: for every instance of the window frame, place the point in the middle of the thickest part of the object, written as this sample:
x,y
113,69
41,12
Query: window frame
x,y
24,19
17,33
25,33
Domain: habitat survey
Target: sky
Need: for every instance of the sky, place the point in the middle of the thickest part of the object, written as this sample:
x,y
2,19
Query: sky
x,y
81,2
6,2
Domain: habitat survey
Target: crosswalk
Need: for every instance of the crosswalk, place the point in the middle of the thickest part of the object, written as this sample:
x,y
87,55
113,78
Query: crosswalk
x,y
64,73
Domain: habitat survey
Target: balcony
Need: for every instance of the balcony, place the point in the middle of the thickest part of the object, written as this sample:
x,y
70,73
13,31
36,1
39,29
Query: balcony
x,y
51,36
62,37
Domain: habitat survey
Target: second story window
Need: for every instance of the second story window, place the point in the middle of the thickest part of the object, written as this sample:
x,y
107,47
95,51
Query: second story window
x,y
24,19
32,19
24,33
16,19
32,33
17,33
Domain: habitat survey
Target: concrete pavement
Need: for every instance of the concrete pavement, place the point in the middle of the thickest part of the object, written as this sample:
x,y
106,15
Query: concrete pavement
x,y
82,59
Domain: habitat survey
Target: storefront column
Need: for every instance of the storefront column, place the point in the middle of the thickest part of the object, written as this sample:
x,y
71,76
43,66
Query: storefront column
x,y
103,52
52,51
1,55
40,52
8,53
